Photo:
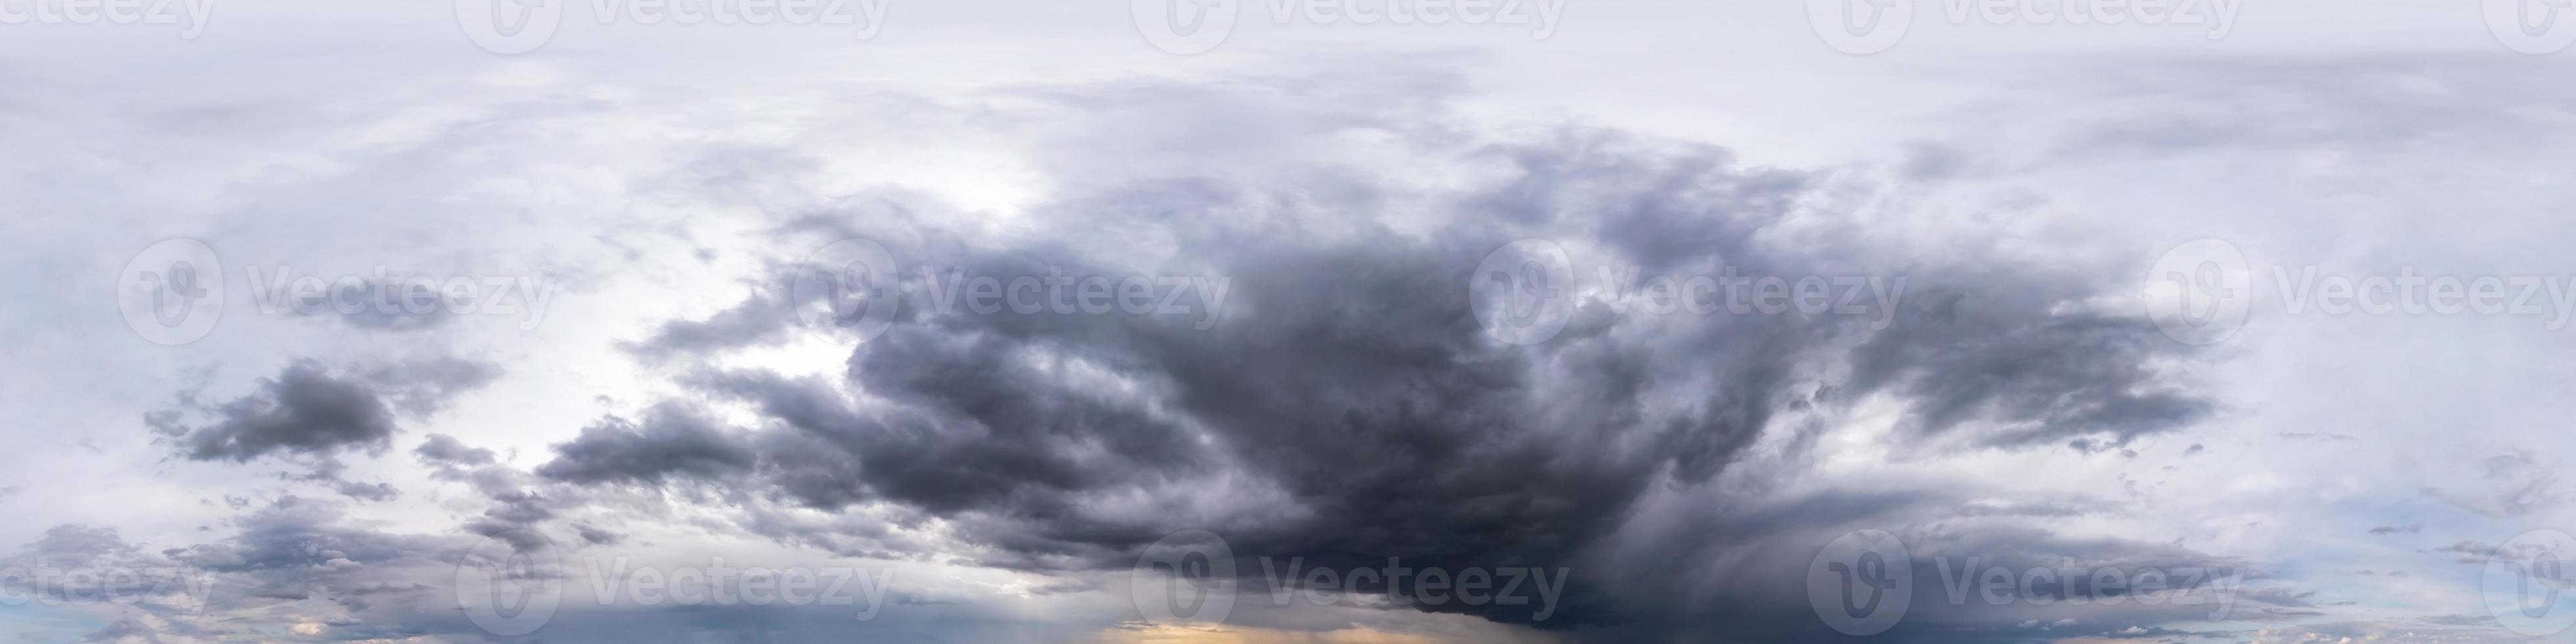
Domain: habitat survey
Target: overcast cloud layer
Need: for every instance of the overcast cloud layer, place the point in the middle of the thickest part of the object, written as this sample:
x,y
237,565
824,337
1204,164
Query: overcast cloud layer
x,y
1039,323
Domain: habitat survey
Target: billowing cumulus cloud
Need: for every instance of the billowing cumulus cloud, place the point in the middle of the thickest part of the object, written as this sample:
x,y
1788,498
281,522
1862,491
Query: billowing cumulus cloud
x,y
1348,407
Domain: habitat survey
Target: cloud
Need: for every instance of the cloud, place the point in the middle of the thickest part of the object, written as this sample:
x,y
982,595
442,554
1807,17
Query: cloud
x,y
307,411
673,440
1345,406
2515,485
302,411
443,449
2471,551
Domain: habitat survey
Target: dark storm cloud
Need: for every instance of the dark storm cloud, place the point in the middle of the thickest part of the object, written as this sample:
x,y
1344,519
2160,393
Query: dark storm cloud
x,y
303,411
1688,572
1349,402
306,411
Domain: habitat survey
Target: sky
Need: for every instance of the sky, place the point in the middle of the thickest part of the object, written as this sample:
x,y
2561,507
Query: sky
x,y
1544,321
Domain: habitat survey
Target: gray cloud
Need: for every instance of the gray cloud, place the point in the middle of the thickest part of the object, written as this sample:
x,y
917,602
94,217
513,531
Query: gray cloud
x,y
306,411
442,449
1348,399
673,440
303,411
